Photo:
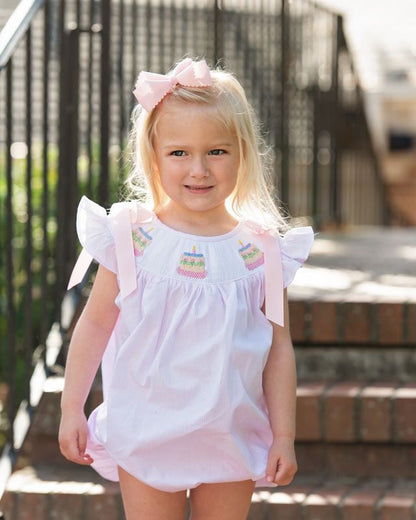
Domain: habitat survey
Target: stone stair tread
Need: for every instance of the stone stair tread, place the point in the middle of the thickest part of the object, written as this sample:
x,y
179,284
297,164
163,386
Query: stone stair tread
x,y
46,492
315,497
69,479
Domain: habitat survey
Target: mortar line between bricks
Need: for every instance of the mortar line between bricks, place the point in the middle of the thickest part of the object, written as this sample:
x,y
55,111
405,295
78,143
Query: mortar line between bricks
x,y
340,504
15,513
394,432
357,412
15,507
380,500
48,506
374,329
414,509
307,322
340,317
405,329
121,508
312,491
322,402
84,507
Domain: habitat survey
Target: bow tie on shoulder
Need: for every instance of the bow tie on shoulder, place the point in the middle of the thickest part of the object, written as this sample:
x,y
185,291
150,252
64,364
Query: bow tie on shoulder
x,y
151,88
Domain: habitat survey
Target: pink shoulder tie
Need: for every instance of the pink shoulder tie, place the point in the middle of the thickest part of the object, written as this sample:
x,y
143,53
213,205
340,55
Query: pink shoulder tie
x,y
151,88
273,275
80,268
121,219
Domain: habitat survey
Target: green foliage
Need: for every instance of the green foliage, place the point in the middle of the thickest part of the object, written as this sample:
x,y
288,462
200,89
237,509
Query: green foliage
x,y
43,305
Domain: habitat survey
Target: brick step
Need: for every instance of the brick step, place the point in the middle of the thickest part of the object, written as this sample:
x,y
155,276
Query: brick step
x,y
356,412
348,361
41,444
344,319
47,492
368,460
337,499
79,494
332,411
354,425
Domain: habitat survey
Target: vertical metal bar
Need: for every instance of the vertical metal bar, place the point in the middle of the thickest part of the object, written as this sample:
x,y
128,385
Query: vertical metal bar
x,y
172,19
284,103
315,149
122,122
28,327
103,193
161,21
185,26
68,157
11,311
149,35
62,160
218,32
335,209
134,43
45,180
90,101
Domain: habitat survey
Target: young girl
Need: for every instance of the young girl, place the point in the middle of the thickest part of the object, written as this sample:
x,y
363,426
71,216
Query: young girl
x,y
188,312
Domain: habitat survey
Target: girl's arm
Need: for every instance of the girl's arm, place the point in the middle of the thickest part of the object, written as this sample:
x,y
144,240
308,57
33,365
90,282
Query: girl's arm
x,y
279,384
86,349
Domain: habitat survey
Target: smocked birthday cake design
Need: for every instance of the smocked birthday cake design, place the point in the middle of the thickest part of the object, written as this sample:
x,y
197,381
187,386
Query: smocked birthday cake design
x,y
141,240
251,255
192,265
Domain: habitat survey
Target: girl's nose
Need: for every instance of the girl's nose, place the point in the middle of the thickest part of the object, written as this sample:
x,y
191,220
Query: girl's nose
x,y
199,168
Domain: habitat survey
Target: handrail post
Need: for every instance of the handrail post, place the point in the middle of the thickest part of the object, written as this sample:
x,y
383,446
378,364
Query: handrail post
x,y
103,188
284,100
68,157
218,35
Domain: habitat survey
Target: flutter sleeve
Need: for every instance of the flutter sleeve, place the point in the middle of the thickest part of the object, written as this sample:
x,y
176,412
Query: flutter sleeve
x,y
295,247
94,233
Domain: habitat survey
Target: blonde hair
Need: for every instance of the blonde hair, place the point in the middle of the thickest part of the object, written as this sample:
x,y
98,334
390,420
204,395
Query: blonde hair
x,y
225,99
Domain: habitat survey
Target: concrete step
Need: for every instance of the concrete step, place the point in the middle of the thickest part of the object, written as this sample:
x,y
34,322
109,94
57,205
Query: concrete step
x,y
348,361
48,493
336,499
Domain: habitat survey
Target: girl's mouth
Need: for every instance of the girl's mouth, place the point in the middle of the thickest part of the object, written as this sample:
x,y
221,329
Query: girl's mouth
x,y
198,189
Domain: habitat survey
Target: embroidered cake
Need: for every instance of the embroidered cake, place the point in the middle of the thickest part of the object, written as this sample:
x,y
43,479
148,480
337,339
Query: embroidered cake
x,y
192,265
251,255
141,240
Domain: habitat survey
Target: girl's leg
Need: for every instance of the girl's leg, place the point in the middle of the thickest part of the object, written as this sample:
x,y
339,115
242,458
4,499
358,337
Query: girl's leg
x,y
227,501
142,502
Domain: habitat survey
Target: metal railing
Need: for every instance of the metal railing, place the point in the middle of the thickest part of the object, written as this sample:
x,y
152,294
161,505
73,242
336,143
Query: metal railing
x,y
67,68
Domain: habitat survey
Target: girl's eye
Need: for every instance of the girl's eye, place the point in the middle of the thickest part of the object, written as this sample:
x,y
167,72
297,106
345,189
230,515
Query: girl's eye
x,y
217,151
178,153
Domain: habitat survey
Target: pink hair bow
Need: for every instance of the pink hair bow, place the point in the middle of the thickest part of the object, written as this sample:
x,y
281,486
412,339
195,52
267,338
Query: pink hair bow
x,y
151,88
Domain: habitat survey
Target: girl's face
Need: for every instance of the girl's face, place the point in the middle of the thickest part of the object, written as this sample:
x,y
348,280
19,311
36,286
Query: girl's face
x,y
196,159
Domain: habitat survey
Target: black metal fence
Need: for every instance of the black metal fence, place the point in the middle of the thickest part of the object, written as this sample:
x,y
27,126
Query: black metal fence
x,y
67,68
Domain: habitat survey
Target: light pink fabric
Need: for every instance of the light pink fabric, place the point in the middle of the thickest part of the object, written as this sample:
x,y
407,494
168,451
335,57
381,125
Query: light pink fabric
x,y
123,214
151,88
182,373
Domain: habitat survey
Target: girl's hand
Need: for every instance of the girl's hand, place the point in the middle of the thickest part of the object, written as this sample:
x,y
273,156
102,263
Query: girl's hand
x,y
281,463
73,432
